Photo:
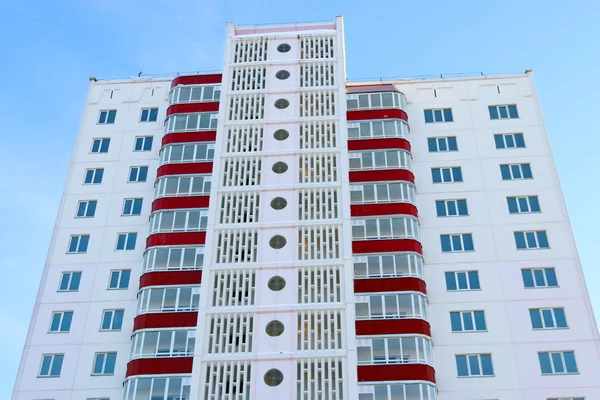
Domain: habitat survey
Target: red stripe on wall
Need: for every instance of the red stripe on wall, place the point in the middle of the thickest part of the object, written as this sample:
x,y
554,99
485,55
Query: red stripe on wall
x,y
196,79
169,203
396,372
175,239
375,285
189,137
171,278
389,113
186,168
161,365
382,175
165,320
384,87
186,108
386,246
361,210
374,144
393,327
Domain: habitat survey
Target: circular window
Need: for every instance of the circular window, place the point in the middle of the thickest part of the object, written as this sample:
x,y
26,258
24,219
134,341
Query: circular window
x,y
281,104
274,328
284,48
279,167
277,242
278,203
276,283
283,74
281,134
273,377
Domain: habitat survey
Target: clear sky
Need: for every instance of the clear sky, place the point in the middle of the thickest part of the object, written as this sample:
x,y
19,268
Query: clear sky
x,y
48,49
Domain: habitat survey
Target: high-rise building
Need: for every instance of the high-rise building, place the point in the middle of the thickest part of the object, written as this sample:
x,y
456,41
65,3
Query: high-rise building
x,y
275,232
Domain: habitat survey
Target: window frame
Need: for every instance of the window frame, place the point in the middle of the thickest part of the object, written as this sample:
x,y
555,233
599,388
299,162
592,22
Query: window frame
x,y
552,360
144,139
120,273
456,206
126,242
105,355
70,273
152,254
369,129
498,113
442,111
166,154
403,157
479,365
449,141
544,276
540,238
407,192
542,318
529,200
133,201
522,167
101,141
140,341
398,101
409,228
472,319
457,280
79,243
452,170
139,169
145,298
114,312
414,262
175,94
87,208
51,366
418,306
107,119
171,121
61,321
503,137
451,238
149,114
95,172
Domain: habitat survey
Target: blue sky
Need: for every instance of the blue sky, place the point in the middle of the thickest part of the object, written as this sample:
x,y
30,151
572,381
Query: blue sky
x,y
49,49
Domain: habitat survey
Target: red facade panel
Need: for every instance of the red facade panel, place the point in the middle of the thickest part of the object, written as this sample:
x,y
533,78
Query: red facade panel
x,y
382,175
162,365
389,113
171,203
196,79
189,137
363,210
187,108
396,372
185,168
375,285
165,320
376,144
175,239
385,246
393,327
171,278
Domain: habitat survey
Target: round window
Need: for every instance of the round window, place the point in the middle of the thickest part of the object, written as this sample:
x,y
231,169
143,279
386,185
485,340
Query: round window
x,y
281,134
282,104
274,328
283,74
278,203
276,283
284,48
277,242
273,377
279,167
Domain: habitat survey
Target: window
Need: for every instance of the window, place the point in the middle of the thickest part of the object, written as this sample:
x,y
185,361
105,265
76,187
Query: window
x,y
107,117
382,193
397,391
191,122
458,242
86,208
474,365
548,318
539,278
558,363
104,364
391,306
445,175
186,153
138,174
69,282
379,159
198,185
515,171
385,228
531,240
149,115
451,208
173,258
396,350
376,129
93,176
132,206
503,112
100,145
78,244
192,94
523,204
163,343
509,141
438,115
119,279
51,365
179,221
171,299
61,322
442,144
388,265
468,321
465,280
126,241
372,101
112,320
143,143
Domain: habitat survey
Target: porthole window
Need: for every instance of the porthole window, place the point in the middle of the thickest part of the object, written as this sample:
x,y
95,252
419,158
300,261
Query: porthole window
x,y
276,283
284,48
278,203
277,242
282,75
279,167
274,328
281,134
273,377
282,104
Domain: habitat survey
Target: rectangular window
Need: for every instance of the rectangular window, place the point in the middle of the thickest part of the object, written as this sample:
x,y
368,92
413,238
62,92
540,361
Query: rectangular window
x,y
126,241
531,240
515,171
467,321
457,243
539,278
438,115
61,322
69,281
93,176
51,365
112,320
451,208
132,207
548,318
78,244
107,117
442,144
138,174
465,280
149,115
503,112
445,175
143,143
119,279
104,364
86,208
558,363
523,204
509,141
100,145
474,365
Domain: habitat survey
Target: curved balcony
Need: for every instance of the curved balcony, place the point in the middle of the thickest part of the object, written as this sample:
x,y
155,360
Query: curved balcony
x,y
374,98
187,153
196,122
164,343
423,390
384,192
167,221
186,185
168,299
378,129
198,79
365,160
161,259
394,350
197,93
163,387
388,306
385,228
388,265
